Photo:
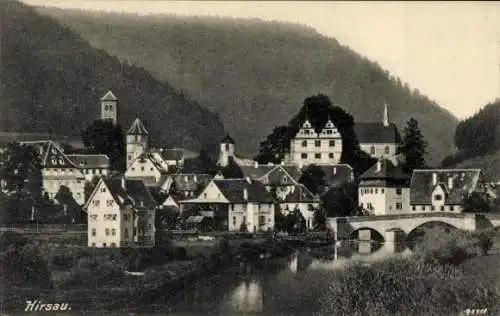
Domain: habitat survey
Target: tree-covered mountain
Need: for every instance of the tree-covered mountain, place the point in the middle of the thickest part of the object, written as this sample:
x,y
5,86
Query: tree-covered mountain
x,y
256,74
477,140
52,81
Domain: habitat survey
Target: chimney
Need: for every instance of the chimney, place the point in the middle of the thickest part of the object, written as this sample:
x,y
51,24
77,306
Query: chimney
x,y
379,166
450,182
195,178
256,164
282,162
386,116
334,170
434,178
248,179
245,194
123,183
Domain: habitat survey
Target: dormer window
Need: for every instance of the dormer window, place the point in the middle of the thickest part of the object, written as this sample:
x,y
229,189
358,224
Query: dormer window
x,y
329,131
304,143
438,197
307,132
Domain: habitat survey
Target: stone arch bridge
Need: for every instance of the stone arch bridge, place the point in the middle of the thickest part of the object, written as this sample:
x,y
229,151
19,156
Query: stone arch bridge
x,y
386,225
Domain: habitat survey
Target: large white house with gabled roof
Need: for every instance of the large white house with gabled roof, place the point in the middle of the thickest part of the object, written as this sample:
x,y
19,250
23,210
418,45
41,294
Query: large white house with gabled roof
x,y
121,213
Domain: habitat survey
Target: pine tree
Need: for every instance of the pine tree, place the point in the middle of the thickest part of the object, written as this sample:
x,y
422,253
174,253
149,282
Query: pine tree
x,y
413,147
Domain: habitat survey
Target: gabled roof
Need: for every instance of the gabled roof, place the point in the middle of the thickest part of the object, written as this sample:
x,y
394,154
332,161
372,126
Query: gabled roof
x,y
227,140
51,155
109,96
336,175
233,190
256,172
137,128
134,193
90,161
187,181
464,182
377,133
301,194
388,171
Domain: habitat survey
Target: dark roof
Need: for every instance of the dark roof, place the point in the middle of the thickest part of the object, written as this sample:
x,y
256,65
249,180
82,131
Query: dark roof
x,y
233,189
195,219
188,181
9,137
135,191
256,172
336,175
227,140
377,133
137,128
422,186
387,172
172,154
301,194
51,155
90,161
109,96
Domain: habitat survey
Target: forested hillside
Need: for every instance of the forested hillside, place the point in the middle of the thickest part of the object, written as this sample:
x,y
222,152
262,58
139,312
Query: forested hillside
x,y
52,81
256,74
477,139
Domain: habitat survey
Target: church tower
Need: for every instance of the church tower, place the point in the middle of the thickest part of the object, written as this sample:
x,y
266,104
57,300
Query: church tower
x,y
137,141
226,150
109,107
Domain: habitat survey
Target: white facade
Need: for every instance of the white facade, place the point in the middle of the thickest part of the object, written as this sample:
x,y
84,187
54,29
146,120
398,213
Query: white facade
x,y
72,178
381,150
143,167
308,147
381,200
226,150
306,209
136,146
257,216
108,224
109,107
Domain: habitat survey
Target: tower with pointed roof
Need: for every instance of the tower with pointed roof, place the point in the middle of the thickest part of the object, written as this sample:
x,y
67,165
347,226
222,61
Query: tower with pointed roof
x,y
109,107
226,150
137,141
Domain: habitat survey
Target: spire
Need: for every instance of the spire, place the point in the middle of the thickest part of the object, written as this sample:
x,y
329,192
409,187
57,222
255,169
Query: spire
x,y
137,128
386,116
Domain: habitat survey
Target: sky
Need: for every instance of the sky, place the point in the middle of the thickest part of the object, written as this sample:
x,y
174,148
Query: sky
x,y
449,51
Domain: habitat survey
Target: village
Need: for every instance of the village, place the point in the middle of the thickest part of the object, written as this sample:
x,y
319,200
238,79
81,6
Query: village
x,y
122,210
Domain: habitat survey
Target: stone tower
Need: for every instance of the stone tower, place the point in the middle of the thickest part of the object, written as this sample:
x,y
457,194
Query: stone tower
x,y
109,107
226,150
137,141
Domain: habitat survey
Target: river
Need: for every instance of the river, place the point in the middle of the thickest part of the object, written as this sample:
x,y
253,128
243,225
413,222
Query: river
x,y
287,286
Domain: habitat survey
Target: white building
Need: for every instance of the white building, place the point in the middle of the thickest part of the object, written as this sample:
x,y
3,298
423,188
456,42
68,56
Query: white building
x,y
148,167
436,190
227,152
58,171
309,147
121,213
137,141
384,189
237,201
379,139
109,107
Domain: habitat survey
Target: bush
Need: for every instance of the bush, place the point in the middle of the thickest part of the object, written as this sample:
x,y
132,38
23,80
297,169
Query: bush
x,y
446,246
403,286
89,272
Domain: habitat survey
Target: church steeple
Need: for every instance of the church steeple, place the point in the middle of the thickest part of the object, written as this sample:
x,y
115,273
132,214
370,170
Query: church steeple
x,y
386,116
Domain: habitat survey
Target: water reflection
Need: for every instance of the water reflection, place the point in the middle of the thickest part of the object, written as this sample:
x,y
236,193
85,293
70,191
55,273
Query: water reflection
x,y
291,286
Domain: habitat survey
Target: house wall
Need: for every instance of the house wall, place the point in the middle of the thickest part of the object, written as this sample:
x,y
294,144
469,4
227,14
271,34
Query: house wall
x,y
225,151
306,210
54,178
136,145
324,150
109,109
250,213
90,173
455,208
104,216
143,168
379,150
385,200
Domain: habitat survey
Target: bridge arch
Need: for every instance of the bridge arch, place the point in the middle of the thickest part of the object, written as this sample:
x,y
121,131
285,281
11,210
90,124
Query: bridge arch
x,y
413,235
376,235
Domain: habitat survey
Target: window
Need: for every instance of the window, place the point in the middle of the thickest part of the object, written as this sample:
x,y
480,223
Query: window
x,y
303,156
382,190
125,232
104,244
422,208
96,202
234,220
204,195
93,232
113,244
110,107
258,207
109,203
386,149
317,143
399,191
330,155
244,219
438,197
414,208
329,132
107,231
113,232
317,156
262,220
142,168
126,217
136,138
133,169
103,189
151,169
113,217
304,143
372,150
331,143
399,206
442,207
451,207
433,208
376,191
93,244
232,207
227,147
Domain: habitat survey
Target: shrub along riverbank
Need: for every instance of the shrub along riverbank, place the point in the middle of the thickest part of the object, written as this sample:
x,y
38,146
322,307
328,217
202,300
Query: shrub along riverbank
x,y
429,282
